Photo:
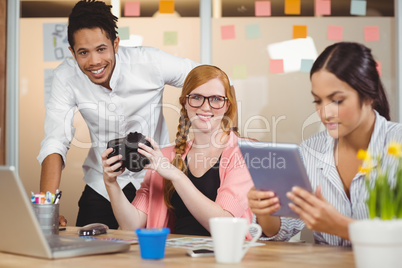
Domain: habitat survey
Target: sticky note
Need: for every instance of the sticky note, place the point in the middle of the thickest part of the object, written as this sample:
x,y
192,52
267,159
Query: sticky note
x,y
292,7
292,52
133,41
253,31
335,33
124,33
228,32
358,7
299,31
239,71
379,68
132,9
323,7
276,66
262,8
170,38
166,6
306,65
371,33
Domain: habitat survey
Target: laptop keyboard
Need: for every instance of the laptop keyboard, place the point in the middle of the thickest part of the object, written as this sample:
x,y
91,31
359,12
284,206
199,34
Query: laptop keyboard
x,y
59,243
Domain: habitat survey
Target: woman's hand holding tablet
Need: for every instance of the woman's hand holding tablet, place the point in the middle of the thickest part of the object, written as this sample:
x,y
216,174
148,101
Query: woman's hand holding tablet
x,y
276,167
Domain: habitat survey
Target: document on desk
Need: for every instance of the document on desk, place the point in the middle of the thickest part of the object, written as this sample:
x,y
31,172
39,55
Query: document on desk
x,y
130,241
198,243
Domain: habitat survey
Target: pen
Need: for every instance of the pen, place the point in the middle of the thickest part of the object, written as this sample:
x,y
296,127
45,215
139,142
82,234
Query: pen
x,y
48,198
57,197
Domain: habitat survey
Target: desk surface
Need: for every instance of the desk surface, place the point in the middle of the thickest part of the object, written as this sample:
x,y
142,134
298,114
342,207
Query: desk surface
x,y
272,254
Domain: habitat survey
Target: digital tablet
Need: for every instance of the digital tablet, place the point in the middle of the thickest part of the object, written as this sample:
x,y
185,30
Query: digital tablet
x,y
275,167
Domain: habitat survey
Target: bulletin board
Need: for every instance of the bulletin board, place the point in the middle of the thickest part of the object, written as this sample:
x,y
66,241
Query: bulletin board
x,y
278,106
272,106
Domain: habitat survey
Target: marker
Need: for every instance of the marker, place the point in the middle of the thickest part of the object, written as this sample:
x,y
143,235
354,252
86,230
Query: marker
x,y
41,198
48,198
57,197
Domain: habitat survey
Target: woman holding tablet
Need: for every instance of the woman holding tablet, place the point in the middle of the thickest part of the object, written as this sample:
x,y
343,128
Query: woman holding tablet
x,y
190,182
351,102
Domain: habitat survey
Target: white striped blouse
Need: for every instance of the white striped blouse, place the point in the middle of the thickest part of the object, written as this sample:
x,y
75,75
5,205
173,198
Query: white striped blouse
x,y
318,157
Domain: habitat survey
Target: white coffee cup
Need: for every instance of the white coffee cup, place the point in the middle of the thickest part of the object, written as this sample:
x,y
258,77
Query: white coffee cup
x,y
228,235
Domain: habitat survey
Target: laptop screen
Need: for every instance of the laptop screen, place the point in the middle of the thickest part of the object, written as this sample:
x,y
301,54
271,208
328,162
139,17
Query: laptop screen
x,y
20,232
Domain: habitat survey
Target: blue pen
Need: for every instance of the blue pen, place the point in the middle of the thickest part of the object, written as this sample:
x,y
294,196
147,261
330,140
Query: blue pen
x,y
48,198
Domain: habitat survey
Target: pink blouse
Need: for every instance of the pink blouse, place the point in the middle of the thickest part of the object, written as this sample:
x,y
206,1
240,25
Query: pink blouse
x,y
232,193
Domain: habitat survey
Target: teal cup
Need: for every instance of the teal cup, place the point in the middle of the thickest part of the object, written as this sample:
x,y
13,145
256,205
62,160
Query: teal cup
x,y
152,242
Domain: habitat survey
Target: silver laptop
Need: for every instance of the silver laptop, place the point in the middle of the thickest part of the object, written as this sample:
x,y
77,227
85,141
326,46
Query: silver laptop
x,y
20,232
275,167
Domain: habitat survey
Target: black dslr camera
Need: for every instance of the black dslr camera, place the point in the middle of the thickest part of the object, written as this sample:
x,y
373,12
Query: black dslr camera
x,y
127,147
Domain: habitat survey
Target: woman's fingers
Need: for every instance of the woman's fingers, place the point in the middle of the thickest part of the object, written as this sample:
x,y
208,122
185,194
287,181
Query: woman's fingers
x,y
262,202
106,153
112,160
153,143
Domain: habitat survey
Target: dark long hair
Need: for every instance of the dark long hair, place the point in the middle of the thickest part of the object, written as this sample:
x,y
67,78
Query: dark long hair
x,y
354,64
89,14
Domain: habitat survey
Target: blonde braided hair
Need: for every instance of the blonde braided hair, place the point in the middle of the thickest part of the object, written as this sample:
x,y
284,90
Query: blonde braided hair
x,y
181,142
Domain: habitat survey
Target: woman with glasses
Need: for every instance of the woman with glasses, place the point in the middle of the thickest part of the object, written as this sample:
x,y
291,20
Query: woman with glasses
x,y
192,181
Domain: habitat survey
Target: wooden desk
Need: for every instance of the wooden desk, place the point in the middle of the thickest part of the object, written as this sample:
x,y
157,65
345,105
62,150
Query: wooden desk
x,y
273,254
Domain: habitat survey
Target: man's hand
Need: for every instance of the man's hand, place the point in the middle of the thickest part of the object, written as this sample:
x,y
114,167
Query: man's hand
x,y
62,220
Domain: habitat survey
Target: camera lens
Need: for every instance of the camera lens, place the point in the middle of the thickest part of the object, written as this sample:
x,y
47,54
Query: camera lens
x,y
136,162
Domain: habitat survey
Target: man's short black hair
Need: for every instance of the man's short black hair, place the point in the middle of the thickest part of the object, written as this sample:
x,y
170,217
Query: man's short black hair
x,y
91,14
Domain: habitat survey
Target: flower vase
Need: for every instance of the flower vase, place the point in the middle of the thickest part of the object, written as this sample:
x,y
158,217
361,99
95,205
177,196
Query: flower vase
x,y
376,243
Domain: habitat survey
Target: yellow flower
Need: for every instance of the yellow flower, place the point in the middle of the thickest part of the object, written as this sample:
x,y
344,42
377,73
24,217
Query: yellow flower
x,y
367,161
365,169
363,155
395,149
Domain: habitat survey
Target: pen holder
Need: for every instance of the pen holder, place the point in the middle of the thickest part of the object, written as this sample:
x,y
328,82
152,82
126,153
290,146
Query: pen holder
x,y
48,217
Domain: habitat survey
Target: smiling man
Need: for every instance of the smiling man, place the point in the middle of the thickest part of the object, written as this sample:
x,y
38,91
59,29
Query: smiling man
x,y
117,90
95,55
